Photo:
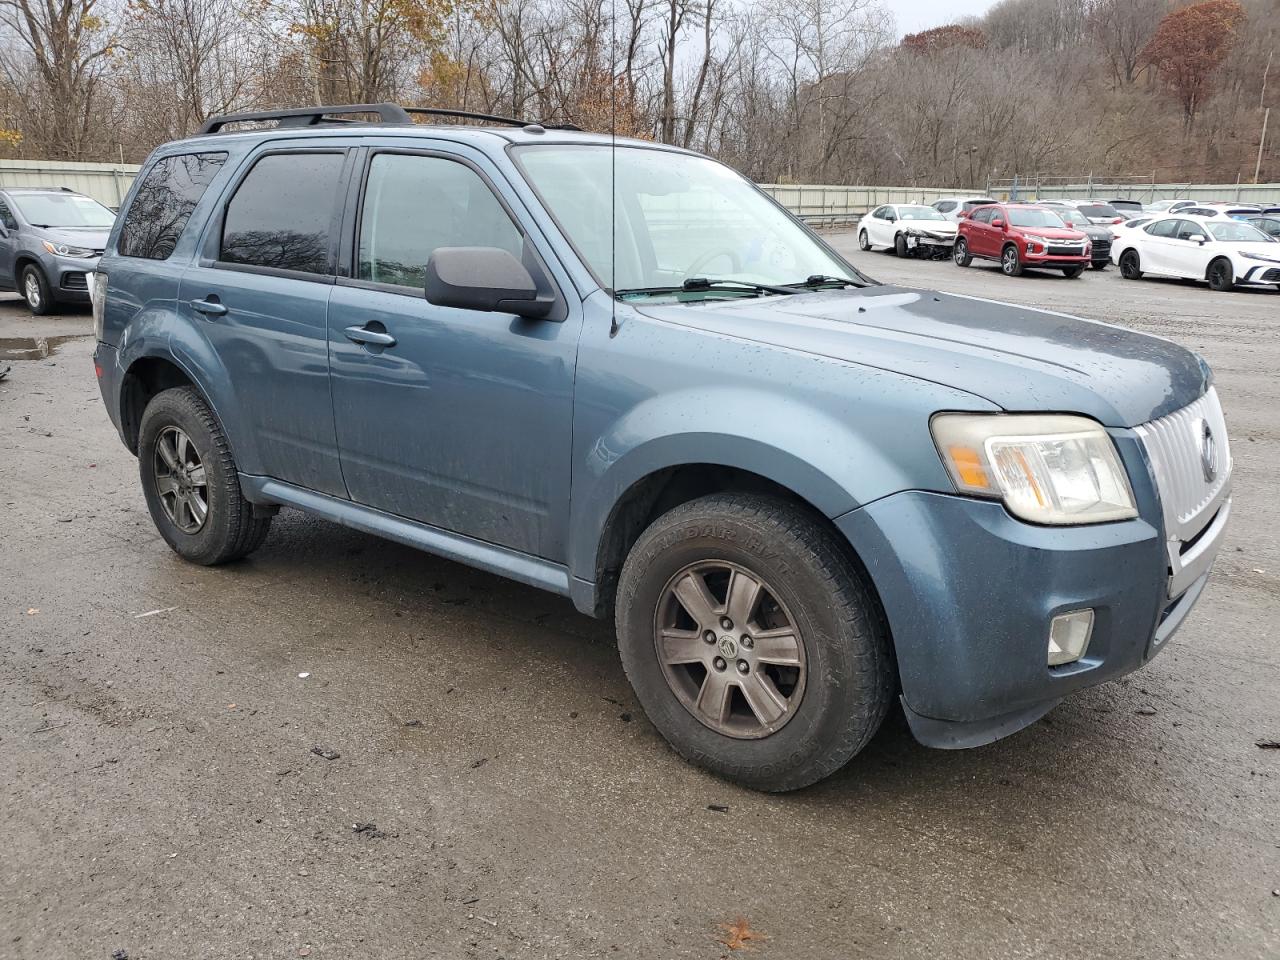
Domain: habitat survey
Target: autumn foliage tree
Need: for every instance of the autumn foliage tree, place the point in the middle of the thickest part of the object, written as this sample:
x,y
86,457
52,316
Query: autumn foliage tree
x,y
1190,45
944,38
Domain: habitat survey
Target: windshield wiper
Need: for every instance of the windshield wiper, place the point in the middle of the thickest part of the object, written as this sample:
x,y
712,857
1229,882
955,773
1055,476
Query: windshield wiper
x,y
821,280
701,284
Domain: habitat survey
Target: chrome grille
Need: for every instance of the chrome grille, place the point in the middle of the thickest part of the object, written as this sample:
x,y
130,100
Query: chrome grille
x,y
1190,459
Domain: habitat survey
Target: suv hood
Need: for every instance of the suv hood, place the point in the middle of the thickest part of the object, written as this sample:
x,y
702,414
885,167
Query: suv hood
x,y
1053,233
1017,358
93,237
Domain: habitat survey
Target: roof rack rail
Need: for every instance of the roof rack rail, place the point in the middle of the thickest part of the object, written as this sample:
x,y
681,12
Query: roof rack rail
x,y
487,117
390,113
309,116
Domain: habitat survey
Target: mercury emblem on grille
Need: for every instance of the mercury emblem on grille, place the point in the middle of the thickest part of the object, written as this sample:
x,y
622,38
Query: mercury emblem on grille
x,y
1208,453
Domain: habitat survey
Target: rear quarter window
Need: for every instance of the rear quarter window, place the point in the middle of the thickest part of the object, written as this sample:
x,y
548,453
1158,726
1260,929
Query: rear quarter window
x,y
164,202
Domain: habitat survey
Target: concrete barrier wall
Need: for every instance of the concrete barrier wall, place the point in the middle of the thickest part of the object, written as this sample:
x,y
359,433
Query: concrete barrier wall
x,y
105,182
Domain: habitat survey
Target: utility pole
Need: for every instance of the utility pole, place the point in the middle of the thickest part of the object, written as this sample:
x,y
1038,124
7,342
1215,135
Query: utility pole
x,y
1262,142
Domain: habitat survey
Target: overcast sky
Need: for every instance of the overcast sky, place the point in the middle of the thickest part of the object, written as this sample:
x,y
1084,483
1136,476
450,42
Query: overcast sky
x,y
916,15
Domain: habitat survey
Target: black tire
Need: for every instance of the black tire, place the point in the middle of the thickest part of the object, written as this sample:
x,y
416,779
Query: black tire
x,y
960,253
1130,265
864,242
900,246
1099,264
1011,261
230,529
849,674
1071,273
35,290
1220,275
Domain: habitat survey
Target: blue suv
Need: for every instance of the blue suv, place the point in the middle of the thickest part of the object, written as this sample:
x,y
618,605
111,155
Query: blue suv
x,y
618,371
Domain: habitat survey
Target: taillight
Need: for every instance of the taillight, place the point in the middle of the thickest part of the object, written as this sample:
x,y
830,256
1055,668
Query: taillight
x,y
98,298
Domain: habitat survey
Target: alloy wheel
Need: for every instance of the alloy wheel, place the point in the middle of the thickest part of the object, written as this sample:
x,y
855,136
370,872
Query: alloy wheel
x,y
31,290
181,480
1010,261
729,649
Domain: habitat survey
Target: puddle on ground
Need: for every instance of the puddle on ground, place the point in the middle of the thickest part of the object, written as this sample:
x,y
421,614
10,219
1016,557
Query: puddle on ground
x,y
33,348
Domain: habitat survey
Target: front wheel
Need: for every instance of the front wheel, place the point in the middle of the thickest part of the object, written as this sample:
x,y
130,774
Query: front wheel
x,y
864,242
753,642
960,253
1099,264
1072,272
35,290
900,246
190,481
1130,265
1221,276
1011,261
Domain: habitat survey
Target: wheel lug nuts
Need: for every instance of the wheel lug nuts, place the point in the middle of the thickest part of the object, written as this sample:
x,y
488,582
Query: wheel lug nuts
x,y
746,643
709,636
719,663
726,623
742,667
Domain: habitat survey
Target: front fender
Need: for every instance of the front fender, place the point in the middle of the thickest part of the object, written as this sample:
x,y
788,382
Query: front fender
x,y
835,465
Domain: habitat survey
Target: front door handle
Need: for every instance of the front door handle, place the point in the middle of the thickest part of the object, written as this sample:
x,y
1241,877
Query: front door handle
x,y
210,306
370,337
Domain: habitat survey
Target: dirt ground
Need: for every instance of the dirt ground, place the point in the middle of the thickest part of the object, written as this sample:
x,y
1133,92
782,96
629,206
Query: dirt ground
x,y
162,794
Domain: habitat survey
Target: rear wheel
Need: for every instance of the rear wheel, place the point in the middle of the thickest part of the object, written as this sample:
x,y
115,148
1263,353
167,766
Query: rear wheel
x,y
1130,265
35,290
960,253
752,641
864,242
1011,261
1220,275
190,482
1072,272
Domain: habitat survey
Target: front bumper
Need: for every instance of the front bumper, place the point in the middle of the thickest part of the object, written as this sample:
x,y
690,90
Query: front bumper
x,y
969,592
69,276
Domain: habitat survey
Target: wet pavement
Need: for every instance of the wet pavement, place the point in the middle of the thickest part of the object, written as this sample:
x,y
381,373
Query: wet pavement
x,y
463,772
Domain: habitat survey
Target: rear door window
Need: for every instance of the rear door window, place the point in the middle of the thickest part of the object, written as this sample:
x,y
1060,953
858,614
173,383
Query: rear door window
x,y
164,202
6,217
1162,228
284,214
983,215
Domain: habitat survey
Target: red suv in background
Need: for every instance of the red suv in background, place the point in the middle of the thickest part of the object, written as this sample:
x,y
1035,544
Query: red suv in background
x,y
1021,235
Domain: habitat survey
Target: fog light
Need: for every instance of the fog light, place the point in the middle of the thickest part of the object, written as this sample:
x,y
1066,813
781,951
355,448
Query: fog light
x,y
1069,636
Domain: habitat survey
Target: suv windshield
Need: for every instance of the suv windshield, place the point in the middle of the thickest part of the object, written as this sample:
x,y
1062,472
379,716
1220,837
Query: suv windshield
x,y
1073,218
1099,210
1239,232
919,213
677,217
1034,217
62,210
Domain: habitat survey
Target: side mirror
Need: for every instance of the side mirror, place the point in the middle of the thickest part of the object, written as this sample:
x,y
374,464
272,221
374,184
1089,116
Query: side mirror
x,y
998,223
962,214
484,278
1199,238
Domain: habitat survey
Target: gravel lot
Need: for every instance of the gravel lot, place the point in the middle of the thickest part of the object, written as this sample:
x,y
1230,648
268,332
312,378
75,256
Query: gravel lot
x,y
161,795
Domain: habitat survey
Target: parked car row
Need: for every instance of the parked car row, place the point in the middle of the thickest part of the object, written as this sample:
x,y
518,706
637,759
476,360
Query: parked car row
x,y
1225,245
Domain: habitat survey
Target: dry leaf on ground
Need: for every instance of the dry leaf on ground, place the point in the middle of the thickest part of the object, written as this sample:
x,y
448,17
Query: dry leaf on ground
x,y
739,935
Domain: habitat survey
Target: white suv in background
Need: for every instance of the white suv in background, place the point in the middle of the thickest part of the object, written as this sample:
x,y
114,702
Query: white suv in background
x,y
956,208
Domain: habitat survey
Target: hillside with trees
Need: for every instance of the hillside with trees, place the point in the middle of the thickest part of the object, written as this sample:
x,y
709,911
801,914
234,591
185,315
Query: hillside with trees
x,y
786,90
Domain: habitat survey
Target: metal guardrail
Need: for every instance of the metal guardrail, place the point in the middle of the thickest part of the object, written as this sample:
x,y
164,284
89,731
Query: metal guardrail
x,y
824,205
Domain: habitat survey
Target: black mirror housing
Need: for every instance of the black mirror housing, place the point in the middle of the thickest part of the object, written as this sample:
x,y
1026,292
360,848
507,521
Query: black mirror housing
x,y
484,278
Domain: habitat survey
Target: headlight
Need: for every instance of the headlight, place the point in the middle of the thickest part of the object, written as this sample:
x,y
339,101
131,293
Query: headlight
x,y
1047,469
65,250
1262,257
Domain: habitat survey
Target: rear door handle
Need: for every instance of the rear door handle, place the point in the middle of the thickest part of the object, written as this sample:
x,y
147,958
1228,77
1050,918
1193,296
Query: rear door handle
x,y
370,338
210,307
